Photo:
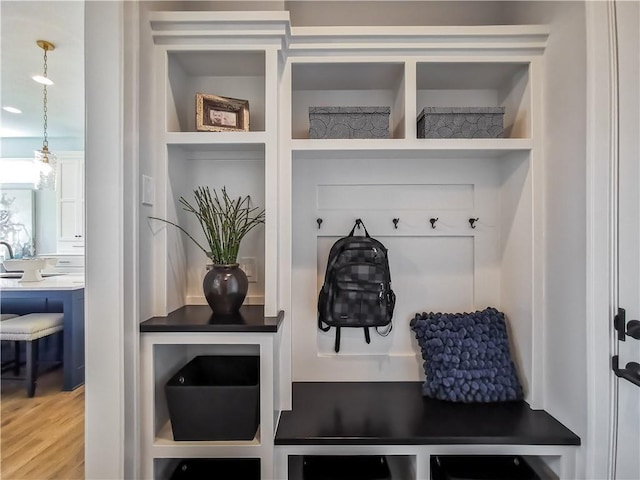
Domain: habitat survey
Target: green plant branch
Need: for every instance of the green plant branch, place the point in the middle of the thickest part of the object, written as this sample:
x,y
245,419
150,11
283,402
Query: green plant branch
x,y
224,222
183,231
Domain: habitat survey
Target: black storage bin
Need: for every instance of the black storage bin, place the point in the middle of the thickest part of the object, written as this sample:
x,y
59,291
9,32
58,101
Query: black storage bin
x,y
344,467
217,469
481,467
215,397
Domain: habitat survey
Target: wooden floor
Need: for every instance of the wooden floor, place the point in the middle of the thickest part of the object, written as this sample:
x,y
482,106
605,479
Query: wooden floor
x,y
42,437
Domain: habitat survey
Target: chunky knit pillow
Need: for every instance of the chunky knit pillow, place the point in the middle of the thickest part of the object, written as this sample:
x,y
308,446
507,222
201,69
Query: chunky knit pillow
x,y
466,357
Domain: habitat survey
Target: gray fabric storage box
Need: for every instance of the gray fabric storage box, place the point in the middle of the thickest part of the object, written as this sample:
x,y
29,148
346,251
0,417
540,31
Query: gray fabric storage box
x,y
461,122
349,122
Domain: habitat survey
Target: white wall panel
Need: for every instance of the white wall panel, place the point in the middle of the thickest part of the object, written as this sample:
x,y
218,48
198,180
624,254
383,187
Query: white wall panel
x,y
394,197
450,268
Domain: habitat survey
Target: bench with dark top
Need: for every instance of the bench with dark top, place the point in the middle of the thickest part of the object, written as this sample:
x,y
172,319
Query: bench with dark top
x,y
396,413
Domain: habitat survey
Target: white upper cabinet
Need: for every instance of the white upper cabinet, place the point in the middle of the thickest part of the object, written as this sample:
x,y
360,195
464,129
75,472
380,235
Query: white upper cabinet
x,y
70,202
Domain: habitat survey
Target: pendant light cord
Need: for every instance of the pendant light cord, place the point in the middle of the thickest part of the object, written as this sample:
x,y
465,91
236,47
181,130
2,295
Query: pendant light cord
x,y
45,141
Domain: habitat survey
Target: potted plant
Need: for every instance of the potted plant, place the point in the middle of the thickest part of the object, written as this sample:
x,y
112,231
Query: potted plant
x,y
224,222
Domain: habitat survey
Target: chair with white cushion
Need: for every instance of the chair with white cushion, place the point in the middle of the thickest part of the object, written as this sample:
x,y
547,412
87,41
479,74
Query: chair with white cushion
x,y
30,328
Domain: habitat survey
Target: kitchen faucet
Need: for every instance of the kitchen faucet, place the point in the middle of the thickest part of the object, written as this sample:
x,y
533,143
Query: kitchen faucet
x,y
8,248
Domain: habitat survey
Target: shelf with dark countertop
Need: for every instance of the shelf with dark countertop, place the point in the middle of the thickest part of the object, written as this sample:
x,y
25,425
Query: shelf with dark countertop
x,y
200,318
396,413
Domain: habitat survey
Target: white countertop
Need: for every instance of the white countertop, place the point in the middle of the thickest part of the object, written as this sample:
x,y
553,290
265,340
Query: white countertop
x,y
57,282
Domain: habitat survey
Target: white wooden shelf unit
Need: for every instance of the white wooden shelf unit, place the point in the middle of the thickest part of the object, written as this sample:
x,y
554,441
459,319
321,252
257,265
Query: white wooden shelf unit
x,y
282,71
162,355
234,56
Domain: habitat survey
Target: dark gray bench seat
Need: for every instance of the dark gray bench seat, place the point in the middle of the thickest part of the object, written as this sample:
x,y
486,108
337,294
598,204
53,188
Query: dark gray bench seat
x,y
396,413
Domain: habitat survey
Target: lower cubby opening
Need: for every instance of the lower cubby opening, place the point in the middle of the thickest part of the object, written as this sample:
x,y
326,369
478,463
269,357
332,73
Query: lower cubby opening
x,y
495,467
201,468
352,467
194,383
215,397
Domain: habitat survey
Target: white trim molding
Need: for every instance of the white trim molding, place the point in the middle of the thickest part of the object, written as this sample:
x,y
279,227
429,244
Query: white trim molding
x,y
105,269
601,145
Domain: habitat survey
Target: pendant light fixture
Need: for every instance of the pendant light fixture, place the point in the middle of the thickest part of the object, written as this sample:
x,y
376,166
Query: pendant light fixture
x,y
45,160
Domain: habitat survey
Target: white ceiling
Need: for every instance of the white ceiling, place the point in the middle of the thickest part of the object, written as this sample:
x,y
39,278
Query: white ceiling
x,y
21,24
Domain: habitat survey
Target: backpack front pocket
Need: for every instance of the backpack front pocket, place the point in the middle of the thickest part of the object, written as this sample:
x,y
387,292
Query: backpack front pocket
x,y
358,304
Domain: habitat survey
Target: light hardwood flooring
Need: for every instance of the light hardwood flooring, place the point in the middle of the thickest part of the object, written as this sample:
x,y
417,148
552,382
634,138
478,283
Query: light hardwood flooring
x,y
42,437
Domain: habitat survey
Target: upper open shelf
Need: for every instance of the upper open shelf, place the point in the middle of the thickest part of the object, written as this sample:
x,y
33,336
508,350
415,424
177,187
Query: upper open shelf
x,y
347,85
437,84
233,74
475,84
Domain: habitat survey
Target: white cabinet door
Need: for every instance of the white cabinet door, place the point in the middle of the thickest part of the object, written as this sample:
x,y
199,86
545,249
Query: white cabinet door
x,y
628,439
70,196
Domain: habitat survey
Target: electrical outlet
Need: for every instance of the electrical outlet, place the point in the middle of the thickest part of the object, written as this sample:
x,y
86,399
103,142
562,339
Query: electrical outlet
x,y
248,265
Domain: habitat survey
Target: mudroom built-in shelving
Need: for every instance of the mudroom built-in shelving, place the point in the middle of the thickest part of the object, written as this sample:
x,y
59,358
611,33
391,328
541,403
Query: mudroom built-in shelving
x,y
455,266
237,59
483,249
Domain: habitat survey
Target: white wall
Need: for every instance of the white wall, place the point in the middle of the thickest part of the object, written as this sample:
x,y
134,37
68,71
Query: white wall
x,y
107,277
306,13
23,147
565,208
147,163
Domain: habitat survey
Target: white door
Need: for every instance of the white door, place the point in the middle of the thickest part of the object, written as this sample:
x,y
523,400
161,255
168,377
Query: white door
x,y
628,419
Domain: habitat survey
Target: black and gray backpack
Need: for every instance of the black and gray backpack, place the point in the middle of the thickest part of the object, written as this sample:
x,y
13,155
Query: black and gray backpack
x,y
357,286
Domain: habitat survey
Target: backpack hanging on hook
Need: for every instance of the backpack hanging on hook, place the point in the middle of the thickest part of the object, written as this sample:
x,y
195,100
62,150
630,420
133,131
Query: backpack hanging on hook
x,y
357,286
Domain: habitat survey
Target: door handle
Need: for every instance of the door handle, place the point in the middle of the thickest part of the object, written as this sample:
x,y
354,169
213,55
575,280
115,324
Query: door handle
x,y
631,372
632,328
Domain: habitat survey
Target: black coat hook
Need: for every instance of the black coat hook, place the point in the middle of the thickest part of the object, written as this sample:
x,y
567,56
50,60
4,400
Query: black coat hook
x,y
358,223
433,222
319,221
472,222
395,222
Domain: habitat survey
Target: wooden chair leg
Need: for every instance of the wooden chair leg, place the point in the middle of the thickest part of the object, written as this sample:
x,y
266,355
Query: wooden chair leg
x,y
32,367
16,358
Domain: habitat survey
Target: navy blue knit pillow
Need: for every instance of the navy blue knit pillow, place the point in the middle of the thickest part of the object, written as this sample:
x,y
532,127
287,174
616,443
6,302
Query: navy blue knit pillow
x,y
466,357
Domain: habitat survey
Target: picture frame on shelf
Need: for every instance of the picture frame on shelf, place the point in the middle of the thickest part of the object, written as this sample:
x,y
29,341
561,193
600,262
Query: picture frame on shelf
x,y
221,114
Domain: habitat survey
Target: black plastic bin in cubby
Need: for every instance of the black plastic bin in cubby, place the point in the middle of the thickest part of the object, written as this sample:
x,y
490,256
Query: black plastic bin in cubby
x,y
345,467
481,467
215,397
217,469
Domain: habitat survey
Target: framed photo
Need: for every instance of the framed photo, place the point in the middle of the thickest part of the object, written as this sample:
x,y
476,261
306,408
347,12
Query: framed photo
x,y
221,114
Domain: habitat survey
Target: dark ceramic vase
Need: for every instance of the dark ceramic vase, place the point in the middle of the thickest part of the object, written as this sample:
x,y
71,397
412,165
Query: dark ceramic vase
x,y
225,288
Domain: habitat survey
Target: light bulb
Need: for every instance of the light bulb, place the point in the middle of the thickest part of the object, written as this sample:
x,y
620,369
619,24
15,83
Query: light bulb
x,y
45,168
